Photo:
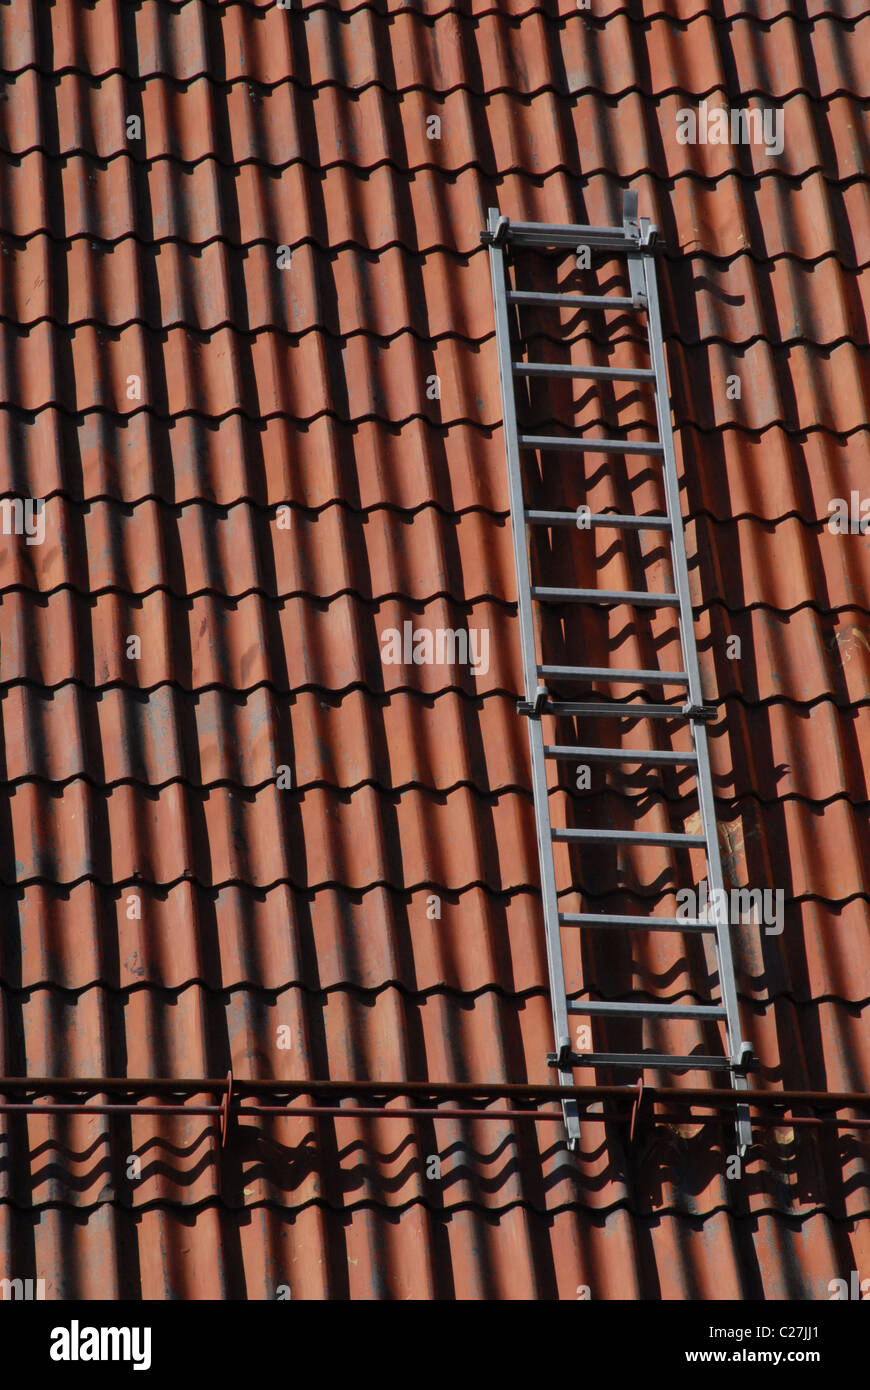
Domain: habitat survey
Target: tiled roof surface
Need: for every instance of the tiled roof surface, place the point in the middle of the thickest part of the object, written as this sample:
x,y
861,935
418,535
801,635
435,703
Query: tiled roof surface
x,y
260,646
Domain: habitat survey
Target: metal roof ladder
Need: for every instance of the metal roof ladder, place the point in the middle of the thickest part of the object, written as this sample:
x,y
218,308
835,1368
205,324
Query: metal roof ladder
x,y
635,240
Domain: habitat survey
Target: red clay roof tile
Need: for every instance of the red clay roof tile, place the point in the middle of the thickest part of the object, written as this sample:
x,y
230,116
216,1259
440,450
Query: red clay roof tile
x,y
434,296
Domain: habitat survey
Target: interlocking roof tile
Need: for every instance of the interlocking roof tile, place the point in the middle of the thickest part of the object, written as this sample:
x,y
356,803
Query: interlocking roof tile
x,y
244,467
808,216
510,48
199,551
221,736
433,296
496,133
265,374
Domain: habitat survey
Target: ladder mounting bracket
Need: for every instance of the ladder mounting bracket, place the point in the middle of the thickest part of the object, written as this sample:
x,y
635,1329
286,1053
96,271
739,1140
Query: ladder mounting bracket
x,y
705,712
633,233
636,1111
746,1061
533,708
630,224
499,235
564,1058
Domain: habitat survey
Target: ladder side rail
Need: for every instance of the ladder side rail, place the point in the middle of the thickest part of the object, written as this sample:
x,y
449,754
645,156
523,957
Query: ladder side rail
x,y
552,926
552,934
707,806
512,454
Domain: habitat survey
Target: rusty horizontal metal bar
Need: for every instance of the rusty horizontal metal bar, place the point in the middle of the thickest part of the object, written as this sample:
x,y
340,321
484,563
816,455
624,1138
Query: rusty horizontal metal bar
x,y
233,1093
244,1087
602,1117
423,1113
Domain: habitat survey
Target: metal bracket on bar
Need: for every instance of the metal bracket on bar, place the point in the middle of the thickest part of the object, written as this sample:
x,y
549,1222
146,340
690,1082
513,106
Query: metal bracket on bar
x,y
564,1058
631,227
630,224
746,1060
225,1110
534,708
705,712
635,1110
648,234
499,233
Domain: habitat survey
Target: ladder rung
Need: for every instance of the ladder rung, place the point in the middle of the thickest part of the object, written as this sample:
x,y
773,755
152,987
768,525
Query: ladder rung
x,y
629,837
553,234
621,755
618,923
592,709
570,301
650,1059
591,373
585,442
628,523
613,673
616,1009
640,598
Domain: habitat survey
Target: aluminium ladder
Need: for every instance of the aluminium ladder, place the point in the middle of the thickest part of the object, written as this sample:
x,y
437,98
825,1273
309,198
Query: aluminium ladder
x,y
635,239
